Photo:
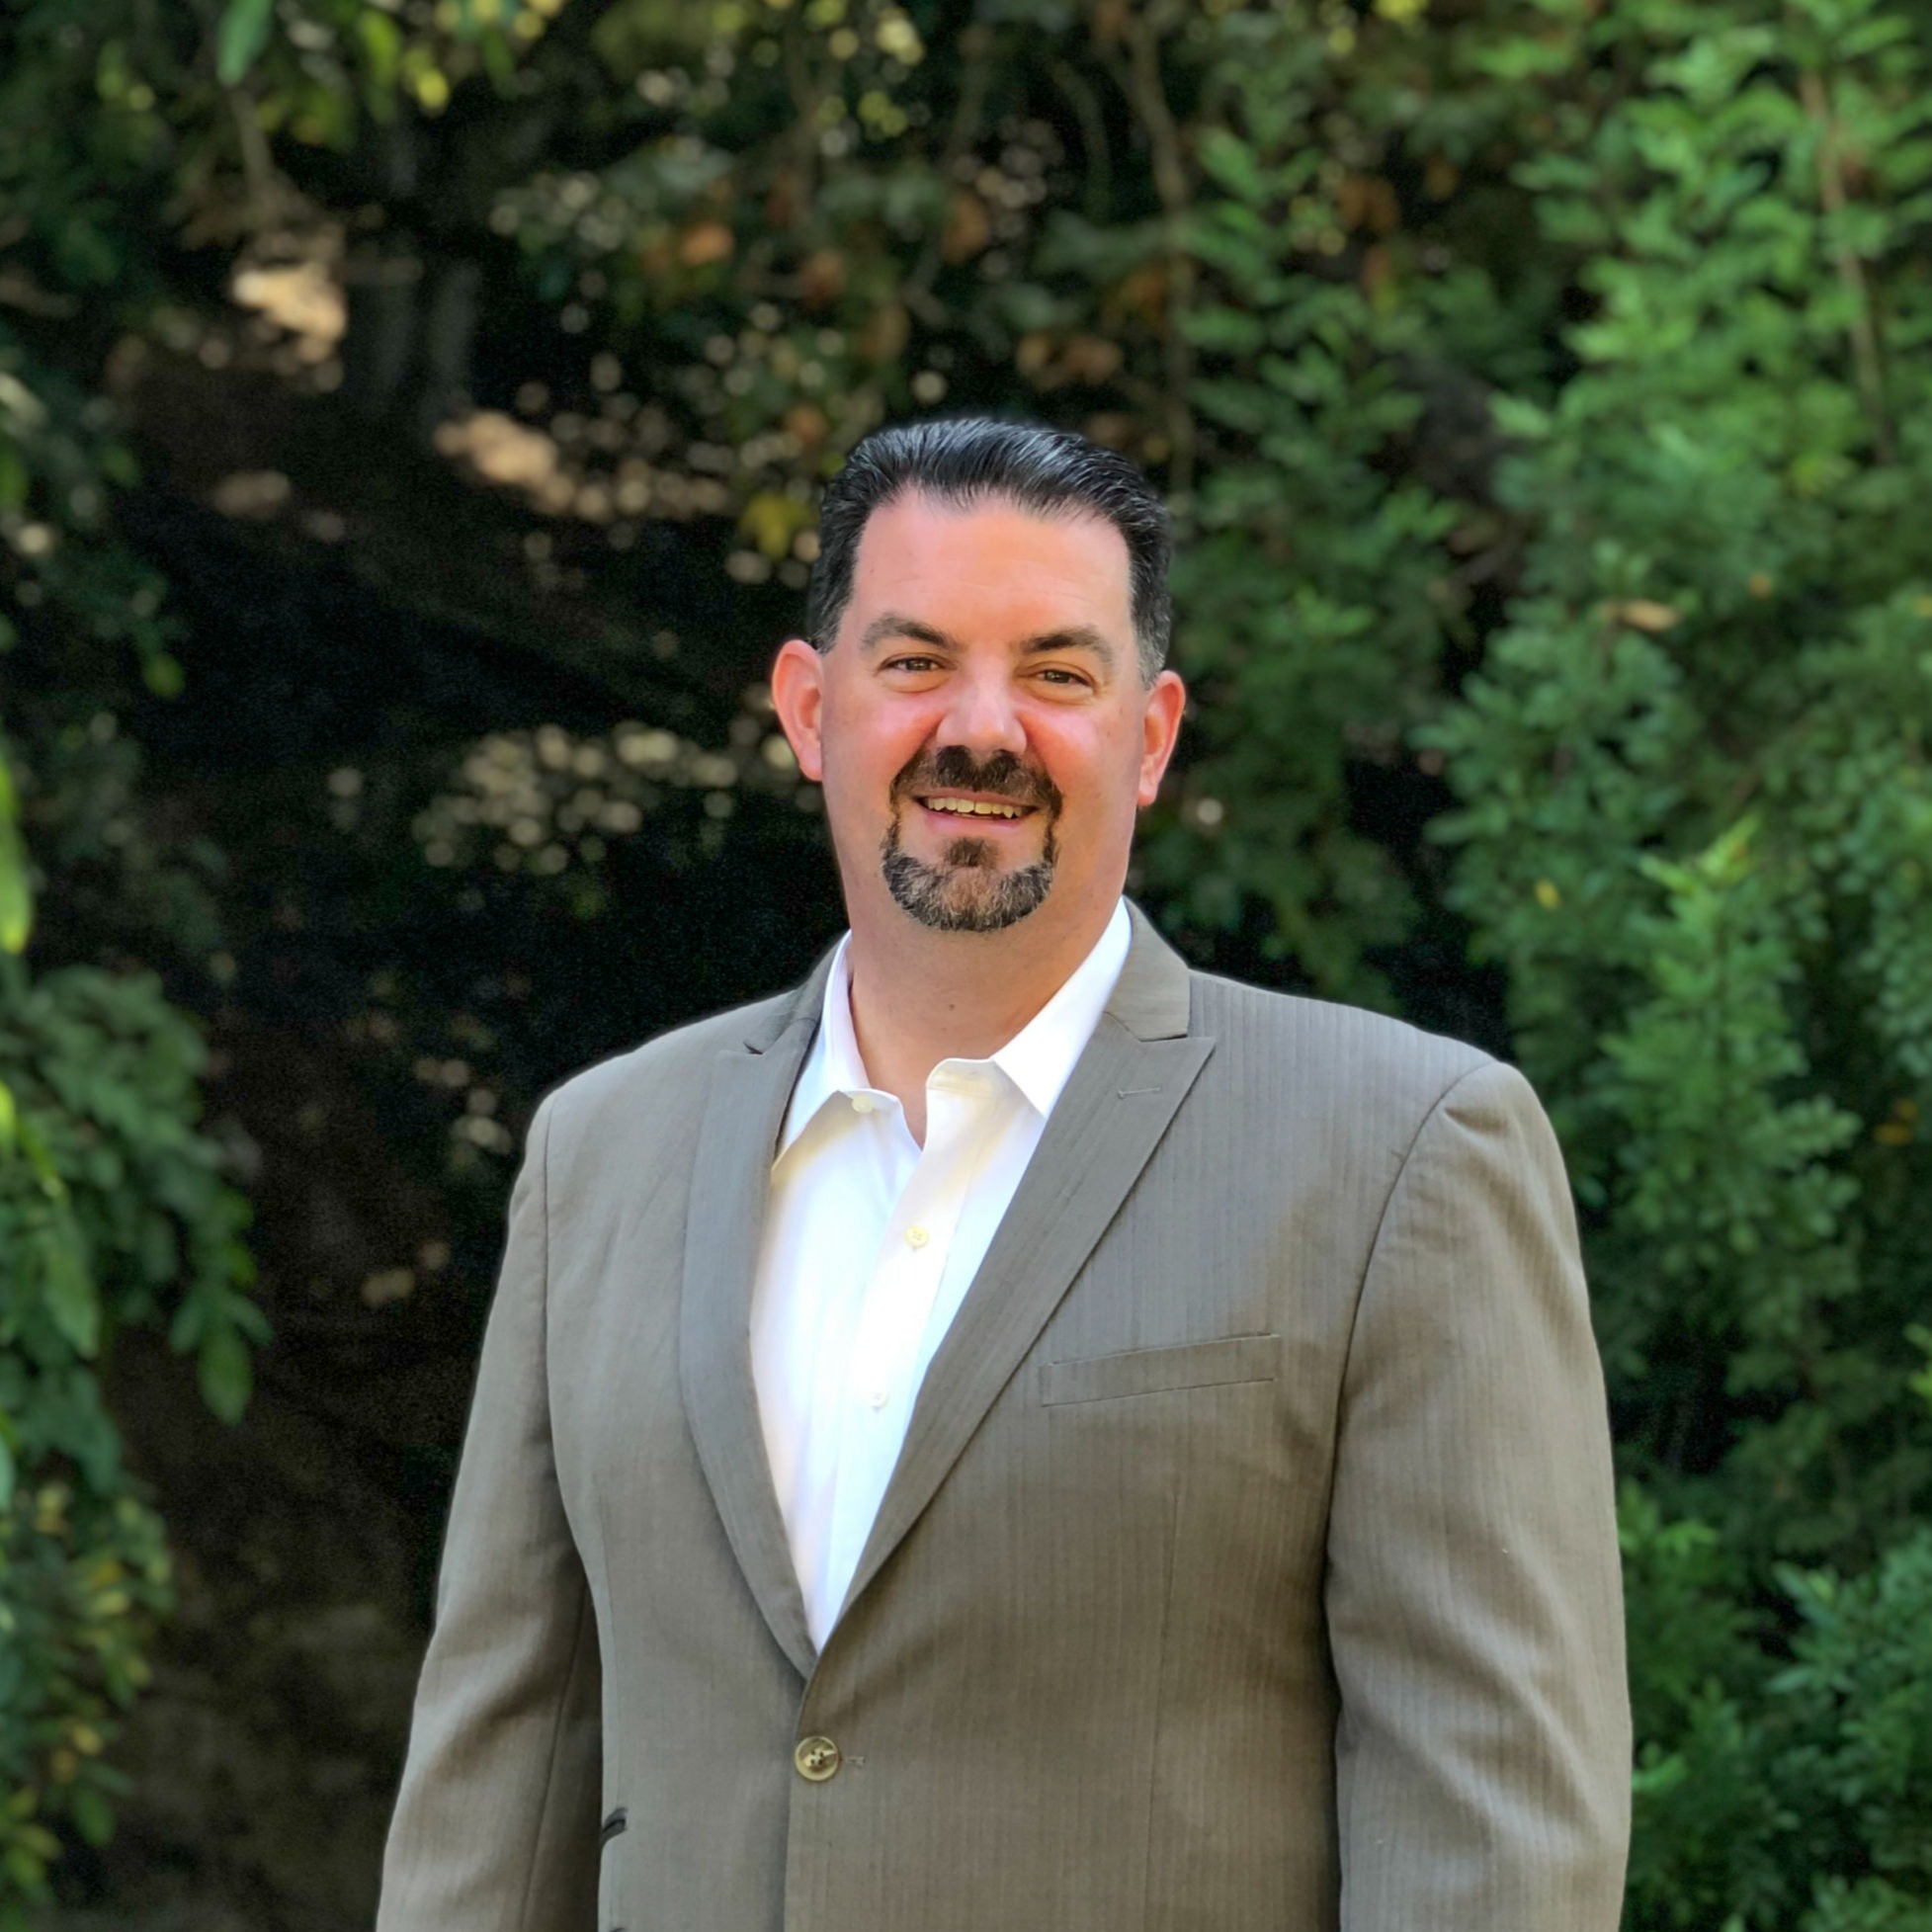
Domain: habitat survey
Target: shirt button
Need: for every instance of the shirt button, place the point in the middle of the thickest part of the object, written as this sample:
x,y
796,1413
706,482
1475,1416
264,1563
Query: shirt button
x,y
876,1398
862,1103
817,1758
916,1237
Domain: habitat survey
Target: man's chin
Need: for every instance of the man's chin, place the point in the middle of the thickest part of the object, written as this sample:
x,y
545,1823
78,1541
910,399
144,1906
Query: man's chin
x,y
966,893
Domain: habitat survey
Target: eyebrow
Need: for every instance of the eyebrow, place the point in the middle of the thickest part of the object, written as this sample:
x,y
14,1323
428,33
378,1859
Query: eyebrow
x,y
1077,636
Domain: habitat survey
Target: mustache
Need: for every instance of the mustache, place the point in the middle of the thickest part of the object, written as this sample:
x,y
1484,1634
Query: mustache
x,y
952,768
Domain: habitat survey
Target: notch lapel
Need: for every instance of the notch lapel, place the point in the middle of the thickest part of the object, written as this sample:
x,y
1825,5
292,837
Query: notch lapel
x,y
751,1087
1125,1090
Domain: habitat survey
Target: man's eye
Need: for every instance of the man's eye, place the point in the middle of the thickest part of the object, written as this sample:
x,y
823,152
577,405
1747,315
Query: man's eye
x,y
1055,675
913,664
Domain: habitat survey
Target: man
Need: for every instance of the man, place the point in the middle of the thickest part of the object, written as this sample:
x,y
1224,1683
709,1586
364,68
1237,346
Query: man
x,y
1015,1434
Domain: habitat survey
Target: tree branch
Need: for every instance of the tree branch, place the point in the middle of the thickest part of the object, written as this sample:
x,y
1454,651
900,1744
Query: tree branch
x,y
975,43
1138,78
1868,358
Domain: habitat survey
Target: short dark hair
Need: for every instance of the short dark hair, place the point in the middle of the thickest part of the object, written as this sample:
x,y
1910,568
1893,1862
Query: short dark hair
x,y
963,461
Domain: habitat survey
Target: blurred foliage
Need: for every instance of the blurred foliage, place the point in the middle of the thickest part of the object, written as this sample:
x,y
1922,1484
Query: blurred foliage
x,y
1541,386
1693,829
113,1209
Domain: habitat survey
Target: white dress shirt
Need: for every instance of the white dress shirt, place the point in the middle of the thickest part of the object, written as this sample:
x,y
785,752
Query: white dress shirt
x,y
871,1242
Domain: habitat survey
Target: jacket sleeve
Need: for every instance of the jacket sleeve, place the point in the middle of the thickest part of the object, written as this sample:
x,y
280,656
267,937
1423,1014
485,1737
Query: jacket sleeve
x,y
495,1825
1474,1594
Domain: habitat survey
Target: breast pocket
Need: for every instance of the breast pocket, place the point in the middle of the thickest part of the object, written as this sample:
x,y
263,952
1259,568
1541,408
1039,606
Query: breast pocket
x,y
1154,1371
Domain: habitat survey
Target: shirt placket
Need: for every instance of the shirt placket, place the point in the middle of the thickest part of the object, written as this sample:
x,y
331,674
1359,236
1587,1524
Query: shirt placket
x,y
899,1297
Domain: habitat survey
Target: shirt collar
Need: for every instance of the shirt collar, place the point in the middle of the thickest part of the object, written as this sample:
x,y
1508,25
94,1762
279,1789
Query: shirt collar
x,y
1038,1059
832,1066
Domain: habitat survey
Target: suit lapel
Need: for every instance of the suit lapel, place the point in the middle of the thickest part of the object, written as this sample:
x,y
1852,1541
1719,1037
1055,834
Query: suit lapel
x,y
730,1182
1136,1072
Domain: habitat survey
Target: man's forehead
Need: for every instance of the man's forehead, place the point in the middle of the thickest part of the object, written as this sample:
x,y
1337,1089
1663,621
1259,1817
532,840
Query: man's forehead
x,y
989,542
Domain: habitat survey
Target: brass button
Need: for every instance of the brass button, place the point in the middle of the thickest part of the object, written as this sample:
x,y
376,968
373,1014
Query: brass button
x,y
817,1759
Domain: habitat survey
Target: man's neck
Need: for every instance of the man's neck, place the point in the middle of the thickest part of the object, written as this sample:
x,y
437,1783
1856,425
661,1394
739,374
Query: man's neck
x,y
919,997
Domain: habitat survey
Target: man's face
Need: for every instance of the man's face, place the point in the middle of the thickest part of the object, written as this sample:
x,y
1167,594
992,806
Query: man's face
x,y
980,725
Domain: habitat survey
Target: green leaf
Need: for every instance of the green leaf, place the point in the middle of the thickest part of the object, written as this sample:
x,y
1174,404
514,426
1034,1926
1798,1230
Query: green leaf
x,y
243,33
39,1159
71,1297
163,675
15,896
93,1816
1230,161
26,1870
225,1375
383,47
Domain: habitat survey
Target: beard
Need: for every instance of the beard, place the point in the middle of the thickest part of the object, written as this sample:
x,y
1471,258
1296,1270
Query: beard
x,y
968,890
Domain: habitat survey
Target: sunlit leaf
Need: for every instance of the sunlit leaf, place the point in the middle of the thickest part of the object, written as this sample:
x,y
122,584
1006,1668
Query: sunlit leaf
x,y
16,894
381,43
243,33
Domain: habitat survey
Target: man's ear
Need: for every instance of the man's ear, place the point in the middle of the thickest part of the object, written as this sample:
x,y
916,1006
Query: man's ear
x,y
1167,701
798,698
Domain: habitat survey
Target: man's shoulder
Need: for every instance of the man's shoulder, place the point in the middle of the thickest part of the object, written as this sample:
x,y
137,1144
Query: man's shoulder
x,y
1373,1059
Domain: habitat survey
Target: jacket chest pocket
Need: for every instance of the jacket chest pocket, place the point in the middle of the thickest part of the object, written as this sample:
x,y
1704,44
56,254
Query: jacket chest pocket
x,y
1154,1370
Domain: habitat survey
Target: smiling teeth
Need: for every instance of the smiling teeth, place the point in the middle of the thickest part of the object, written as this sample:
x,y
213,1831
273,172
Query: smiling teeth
x,y
973,808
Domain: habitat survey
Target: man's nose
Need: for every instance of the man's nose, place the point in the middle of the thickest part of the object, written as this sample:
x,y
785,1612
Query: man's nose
x,y
981,715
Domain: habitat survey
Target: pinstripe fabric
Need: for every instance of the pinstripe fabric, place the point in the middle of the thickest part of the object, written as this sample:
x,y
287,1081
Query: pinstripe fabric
x,y
1250,1563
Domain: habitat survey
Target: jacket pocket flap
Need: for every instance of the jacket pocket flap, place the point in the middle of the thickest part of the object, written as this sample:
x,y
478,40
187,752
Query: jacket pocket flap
x,y
1150,1371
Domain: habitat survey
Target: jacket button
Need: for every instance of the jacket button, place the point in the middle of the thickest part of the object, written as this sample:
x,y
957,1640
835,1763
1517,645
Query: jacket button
x,y
817,1759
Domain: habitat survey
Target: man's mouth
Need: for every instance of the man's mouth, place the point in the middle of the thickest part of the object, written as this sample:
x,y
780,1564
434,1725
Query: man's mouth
x,y
977,808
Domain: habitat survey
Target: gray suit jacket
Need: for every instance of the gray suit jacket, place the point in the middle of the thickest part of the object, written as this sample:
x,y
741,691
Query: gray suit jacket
x,y
1250,1564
